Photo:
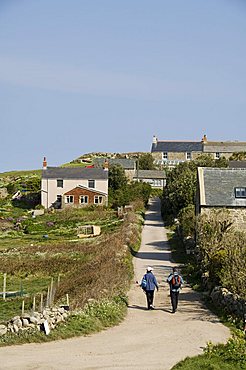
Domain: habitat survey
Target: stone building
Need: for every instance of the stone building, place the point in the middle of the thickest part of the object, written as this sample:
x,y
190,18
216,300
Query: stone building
x,y
171,153
222,188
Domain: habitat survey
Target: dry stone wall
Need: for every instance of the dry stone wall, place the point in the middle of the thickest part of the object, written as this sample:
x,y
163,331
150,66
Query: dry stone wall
x,y
45,321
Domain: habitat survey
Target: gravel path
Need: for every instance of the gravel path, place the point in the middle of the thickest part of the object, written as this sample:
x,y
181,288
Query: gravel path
x,y
146,340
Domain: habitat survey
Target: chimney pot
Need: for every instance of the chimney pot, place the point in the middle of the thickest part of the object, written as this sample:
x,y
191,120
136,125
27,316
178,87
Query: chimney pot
x,y
44,164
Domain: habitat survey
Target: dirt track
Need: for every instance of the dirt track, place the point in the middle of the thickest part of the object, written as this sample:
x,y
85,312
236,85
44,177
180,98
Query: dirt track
x,y
146,340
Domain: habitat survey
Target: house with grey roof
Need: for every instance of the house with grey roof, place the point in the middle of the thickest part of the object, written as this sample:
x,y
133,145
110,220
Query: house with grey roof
x,y
171,153
129,165
65,187
222,188
156,178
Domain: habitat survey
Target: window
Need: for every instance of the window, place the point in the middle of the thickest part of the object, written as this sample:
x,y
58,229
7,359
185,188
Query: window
x,y
98,199
84,199
217,155
240,192
60,183
164,156
188,155
59,198
69,199
91,184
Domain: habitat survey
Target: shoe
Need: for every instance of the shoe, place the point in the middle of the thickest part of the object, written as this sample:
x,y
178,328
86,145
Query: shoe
x,y
152,307
173,311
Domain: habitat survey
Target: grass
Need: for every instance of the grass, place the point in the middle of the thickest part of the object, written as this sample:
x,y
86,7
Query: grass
x,y
31,261
94,317
232,355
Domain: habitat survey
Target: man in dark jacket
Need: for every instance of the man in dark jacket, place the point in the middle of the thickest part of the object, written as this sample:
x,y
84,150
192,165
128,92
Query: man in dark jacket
x,y
175,281
150,285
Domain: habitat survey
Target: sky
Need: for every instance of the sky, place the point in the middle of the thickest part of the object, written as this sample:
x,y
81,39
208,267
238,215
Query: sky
x,y
83,76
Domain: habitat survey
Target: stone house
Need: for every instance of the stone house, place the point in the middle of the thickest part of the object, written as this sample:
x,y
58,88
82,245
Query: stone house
x,y
129,165
66,187
171,153
222,188
156,178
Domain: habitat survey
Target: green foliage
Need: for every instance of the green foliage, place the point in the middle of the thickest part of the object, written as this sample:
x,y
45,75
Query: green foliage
x,y
129,193
222,251
187,220
116,177
182,183
238,156
231,356
146,162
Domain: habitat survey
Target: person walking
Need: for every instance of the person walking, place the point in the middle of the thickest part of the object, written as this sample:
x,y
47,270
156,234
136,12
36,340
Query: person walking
x,y
175,282
149,284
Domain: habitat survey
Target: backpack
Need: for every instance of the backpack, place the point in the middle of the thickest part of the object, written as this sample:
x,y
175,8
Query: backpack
x,y
143,283
175,282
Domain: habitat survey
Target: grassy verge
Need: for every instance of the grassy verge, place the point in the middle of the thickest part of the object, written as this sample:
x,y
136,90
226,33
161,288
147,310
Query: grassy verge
x,y
95,316
96,270
232,355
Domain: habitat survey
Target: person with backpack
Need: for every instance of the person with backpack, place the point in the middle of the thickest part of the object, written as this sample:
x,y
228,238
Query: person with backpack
x,y
175,282
148,284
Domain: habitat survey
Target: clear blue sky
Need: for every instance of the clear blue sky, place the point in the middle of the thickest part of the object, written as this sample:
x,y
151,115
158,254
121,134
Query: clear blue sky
x,y
80,76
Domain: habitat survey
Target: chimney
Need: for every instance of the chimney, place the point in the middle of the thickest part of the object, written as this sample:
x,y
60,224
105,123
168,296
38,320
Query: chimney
x,y
204,139
155,140
105,165
44,164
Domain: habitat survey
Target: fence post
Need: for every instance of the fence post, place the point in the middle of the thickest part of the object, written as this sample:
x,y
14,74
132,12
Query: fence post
x,y
51,291
48,297
23,307
41,302
34,303
67,300
4,285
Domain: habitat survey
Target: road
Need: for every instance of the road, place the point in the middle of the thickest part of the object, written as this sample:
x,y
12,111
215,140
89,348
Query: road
x,y
145,340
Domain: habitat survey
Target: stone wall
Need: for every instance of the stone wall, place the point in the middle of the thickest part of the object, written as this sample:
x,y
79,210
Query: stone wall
x,y
230,302
49,318
238,215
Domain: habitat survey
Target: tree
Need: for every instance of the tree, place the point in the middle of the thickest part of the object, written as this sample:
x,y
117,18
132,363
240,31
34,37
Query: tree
x,y
146,162
182,182
116,177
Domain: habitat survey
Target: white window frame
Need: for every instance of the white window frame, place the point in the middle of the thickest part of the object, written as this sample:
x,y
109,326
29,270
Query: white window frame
x,y
165,156
240,192
69,199
188,156
98,199
83,199
217,155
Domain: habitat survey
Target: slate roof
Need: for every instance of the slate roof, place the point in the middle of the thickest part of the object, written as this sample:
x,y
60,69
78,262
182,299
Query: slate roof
x,y
217,186
224,147
127,164
237,164
177,146
149,174
74,173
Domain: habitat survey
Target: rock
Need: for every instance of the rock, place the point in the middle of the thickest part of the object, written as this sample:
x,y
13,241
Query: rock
x,y
3,330
18,323
25,322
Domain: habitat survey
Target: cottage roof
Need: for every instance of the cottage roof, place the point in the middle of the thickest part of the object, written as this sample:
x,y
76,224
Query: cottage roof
x,y
224,146
127,164
81,188
237,164
74,173
177,146
149,174
217,186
